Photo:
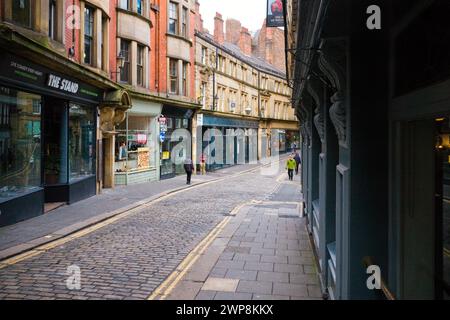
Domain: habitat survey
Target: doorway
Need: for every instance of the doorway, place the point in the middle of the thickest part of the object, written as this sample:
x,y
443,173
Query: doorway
x,y
424,224
55,153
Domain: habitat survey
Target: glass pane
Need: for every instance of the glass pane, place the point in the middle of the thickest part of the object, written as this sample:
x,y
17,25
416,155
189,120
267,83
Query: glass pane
x,y
20,143
21,12
81,141
55,142
124,4
443,148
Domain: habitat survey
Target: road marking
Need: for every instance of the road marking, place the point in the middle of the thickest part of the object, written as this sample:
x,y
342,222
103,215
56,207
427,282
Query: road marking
x,y
175,277
82,232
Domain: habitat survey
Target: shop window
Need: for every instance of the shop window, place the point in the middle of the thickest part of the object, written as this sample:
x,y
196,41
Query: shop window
x,y
125,51
173,18
20,143
173,71
140,65
21,12
88,34
184,22
81,142
133,145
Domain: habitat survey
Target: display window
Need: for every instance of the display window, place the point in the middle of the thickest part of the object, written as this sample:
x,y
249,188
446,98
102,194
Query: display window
x,y
133,145
20,143
81,142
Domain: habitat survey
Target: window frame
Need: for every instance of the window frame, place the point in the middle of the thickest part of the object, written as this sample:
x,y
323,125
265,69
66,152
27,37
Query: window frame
x,y
140,65
173,9
127,61
89,36
184,22
184,78
29,23
173,77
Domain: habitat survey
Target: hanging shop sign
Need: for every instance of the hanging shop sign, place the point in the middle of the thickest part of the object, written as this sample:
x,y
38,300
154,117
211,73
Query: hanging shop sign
x,y
275,13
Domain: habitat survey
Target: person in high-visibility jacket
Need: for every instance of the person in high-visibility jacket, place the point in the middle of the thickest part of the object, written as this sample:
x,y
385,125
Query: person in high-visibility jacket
x,y
290,166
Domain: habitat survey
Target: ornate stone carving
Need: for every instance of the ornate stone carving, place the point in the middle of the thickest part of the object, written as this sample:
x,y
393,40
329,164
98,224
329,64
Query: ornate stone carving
x,y
315,89
107,119
338,116
332,62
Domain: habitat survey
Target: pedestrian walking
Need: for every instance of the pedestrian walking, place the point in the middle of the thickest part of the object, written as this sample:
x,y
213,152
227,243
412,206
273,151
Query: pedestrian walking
x,y
290,166
297,161
189,168
203,164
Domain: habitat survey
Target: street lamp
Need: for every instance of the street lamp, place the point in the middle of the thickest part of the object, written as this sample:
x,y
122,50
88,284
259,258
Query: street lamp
x,y
120,63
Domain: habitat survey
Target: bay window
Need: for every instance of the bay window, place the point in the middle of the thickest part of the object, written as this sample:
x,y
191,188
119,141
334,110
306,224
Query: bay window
x,y
184,79
140,65
125,47
173,72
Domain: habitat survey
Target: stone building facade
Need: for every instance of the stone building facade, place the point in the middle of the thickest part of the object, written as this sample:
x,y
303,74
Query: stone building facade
x,y
238,90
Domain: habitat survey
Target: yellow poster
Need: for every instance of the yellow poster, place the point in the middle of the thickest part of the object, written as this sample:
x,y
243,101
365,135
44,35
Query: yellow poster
x,y
143,158
166,155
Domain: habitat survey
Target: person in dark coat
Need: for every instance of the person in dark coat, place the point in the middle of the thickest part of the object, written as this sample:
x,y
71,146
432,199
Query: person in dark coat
x,y
297,161
189,168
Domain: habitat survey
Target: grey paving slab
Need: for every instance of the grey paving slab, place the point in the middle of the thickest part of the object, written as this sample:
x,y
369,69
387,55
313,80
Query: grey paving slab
x,y
233,296
257,287
241,274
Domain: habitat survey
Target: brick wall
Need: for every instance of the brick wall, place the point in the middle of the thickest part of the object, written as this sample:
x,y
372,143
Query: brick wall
x,y
269,45
72,36
233,31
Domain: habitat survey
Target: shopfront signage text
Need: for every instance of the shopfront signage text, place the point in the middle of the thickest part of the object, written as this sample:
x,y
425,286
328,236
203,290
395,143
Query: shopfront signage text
x,y
62,84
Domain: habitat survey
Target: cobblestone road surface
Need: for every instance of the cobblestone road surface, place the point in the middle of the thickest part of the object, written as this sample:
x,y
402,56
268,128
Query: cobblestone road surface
x,y
129,258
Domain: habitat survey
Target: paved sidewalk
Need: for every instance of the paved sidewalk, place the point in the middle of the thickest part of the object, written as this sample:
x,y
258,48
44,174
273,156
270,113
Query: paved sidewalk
x,y
30,233
263,253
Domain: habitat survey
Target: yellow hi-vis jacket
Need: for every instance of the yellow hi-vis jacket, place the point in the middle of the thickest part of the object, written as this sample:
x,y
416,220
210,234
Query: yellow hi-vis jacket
x,y
291,164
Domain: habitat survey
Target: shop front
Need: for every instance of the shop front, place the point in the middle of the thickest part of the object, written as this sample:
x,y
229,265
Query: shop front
x,y
137,145
48,124
172,158
292,140
226,141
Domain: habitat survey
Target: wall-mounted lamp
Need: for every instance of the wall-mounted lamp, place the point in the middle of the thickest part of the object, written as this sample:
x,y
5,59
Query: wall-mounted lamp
x,y
120,63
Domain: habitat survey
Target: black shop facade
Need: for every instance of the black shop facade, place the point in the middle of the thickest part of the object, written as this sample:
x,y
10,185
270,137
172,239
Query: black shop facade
x,y
177,121
48,128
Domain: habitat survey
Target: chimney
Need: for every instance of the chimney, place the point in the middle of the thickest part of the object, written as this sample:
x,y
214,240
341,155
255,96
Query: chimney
x,y
233,32
218,29
245,42
198,18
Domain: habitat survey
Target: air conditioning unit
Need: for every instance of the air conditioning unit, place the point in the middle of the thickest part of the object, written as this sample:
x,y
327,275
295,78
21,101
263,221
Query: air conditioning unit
x,y
248,109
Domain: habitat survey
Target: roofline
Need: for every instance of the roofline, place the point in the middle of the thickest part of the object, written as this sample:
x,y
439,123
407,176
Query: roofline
x,y
202,36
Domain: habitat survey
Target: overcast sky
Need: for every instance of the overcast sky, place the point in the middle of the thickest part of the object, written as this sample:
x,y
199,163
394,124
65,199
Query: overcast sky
x,y
251,13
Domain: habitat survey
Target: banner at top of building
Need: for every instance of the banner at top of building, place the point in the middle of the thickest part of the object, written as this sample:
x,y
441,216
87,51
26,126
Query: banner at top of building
x,y
275,13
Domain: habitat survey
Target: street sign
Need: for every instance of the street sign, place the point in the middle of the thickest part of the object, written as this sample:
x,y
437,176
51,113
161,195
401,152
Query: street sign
x,y
162,136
